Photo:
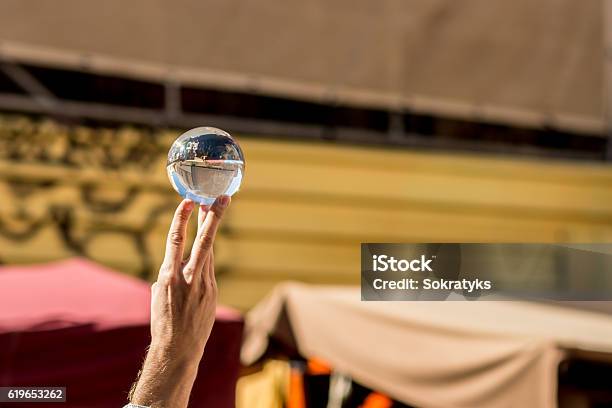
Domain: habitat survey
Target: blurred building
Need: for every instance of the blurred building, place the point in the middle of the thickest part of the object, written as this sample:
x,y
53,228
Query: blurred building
x,y
406,120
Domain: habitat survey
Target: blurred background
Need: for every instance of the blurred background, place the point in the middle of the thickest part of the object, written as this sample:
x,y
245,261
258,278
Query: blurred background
x,y
361,121
391,121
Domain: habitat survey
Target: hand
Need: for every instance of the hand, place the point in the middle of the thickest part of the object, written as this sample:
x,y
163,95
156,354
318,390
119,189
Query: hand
x,y
183,305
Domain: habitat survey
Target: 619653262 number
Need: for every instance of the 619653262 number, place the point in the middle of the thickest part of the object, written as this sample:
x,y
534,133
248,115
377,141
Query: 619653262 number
x,y
32,394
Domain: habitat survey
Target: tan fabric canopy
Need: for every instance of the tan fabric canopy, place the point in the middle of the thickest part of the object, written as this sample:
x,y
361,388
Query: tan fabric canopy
x,y
432,354
514,61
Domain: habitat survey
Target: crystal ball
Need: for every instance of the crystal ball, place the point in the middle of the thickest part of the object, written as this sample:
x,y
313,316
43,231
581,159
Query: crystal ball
x,y
205,163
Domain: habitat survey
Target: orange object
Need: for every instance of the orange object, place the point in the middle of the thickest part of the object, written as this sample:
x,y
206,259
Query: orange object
x,y
316,366
296,398
377,400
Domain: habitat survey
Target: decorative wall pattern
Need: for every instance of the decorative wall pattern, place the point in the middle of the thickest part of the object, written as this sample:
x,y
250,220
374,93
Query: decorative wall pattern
x,y
70,191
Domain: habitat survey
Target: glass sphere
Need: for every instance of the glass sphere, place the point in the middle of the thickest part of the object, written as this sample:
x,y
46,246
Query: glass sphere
x,y
205,163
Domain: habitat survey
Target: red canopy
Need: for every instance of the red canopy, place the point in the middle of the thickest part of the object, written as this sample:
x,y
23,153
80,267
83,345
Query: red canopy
x,y
80,325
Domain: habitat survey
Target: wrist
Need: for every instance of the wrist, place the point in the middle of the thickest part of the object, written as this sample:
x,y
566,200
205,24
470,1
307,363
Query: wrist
x,y
172,358
166,378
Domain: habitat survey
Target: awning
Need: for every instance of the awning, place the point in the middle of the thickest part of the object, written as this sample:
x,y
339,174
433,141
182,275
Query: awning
x,y
509,61
82,326
432,354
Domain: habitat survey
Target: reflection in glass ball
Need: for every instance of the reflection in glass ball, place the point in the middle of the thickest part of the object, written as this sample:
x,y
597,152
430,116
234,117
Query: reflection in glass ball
x,y
204,163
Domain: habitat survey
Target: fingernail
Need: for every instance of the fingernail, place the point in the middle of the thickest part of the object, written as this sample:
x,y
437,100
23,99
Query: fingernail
x,y
188,205
224,201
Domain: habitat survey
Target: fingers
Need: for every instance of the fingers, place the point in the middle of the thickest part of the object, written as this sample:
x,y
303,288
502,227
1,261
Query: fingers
x,y
202,214
175,243
189,272
203,243
210,269
184,262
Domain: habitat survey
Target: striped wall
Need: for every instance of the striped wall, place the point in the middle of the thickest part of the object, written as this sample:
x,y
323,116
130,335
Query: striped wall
x,y
303,210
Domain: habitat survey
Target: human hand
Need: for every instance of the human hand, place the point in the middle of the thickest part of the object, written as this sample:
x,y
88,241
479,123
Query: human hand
x,y
183,304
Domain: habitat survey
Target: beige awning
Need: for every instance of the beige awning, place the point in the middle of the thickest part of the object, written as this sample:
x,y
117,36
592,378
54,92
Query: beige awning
x,y
432,354
524,62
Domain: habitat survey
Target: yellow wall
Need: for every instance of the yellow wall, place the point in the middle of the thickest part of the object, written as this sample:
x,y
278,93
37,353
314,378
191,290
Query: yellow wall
x,y
303,210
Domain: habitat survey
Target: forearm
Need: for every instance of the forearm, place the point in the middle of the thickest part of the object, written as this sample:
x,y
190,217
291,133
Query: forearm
x,y
165,382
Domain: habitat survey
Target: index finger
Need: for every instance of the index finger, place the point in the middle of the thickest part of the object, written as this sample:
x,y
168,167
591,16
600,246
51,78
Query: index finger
x,y
175,243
